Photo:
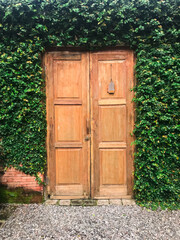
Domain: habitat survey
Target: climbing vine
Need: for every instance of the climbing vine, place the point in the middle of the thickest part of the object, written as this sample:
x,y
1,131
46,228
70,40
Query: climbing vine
x,y
150,27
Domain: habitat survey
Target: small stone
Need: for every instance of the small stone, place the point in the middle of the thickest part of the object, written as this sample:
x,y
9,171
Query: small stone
x,y
102,202
64,202
51,202
128,202
115,202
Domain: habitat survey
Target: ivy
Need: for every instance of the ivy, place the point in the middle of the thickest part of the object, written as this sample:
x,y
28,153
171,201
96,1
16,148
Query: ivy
x,y
150,27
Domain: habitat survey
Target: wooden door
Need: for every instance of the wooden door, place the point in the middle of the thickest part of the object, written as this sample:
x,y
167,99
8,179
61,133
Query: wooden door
x,y
89,155
67,75
112,120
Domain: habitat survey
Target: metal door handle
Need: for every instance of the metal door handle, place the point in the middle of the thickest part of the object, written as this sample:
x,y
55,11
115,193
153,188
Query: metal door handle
x,y
88,126
87,138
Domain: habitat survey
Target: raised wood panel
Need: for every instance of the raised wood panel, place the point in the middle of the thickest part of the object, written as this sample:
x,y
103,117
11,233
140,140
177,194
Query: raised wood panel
x,y
112,191
112,102
67,102
68,145
67,79
68,166
110,196
112,125
68,56
114,70
117,56
112,145
70,191
112,167
68,123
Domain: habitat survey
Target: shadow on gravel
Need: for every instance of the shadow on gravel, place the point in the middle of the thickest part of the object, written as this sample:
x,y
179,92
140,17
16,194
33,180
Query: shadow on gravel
x,y
6,210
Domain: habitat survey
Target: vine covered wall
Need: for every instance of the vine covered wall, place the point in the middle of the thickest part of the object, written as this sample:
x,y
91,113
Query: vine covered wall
x,y
150,27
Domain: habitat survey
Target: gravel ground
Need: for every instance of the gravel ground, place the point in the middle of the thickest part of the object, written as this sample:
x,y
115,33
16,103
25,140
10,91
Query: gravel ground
x,y
6,211
105,222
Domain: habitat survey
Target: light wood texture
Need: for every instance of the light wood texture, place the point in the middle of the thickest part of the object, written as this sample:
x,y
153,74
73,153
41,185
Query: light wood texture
x,y
69,164
112,126
117,73
69,190
112,145
115,197
51,164
89,130
110,190
112,117
112,161
57,197
68,123
112,101
68,56
68,145
67,79
67,111
67,102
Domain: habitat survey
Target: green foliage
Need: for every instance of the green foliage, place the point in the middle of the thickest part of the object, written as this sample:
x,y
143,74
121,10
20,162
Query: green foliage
x,y
149,27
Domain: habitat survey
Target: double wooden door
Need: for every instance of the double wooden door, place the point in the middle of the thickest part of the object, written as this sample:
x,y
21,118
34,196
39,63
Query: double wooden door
x,y
90,118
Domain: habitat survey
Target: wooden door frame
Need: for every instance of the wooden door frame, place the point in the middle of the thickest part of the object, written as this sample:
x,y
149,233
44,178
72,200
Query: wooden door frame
x,y
47,63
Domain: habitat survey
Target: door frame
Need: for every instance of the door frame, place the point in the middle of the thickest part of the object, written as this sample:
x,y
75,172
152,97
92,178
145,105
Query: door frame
x,y
50,178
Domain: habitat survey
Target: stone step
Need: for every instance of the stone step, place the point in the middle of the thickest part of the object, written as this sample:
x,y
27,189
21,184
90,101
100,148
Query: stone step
x,y
90,202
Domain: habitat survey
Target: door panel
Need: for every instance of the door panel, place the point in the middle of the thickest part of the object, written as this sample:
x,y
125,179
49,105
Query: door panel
x,y
67,113
112,118
67,79
113,123
112,161
68,166
114,69
68,123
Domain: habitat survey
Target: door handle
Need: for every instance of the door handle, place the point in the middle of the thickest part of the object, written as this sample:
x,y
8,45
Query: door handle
x,y
88,136
88,126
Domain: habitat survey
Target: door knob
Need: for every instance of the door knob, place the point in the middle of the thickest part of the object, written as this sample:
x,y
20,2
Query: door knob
x,y
87,138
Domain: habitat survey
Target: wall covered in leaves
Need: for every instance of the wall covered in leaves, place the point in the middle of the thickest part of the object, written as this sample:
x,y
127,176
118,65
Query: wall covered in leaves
x,y
150,27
